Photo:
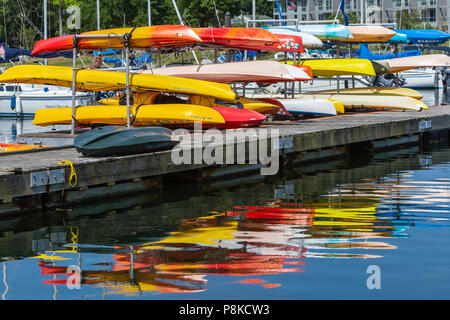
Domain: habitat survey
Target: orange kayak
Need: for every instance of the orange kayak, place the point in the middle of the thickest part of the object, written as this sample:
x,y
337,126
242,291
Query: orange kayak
x,y
369,34
305,68
237,38
142,37
9,147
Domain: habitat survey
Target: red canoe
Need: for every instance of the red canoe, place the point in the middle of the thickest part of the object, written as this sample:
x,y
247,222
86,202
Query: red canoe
x,y
142,37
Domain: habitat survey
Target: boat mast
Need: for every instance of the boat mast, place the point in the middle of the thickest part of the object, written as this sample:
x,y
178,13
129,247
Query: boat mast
x,y
45,24
60,17
149,13
98,14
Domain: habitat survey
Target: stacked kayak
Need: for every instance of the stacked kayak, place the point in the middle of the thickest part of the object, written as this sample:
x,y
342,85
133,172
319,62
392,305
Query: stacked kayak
x,y
236,38
308,106
248,71
141,37
120,141
308,40
329,68
405,92
372,101
172,110
171,115
426,36
99,80
323,31
139,98
408,63
369,34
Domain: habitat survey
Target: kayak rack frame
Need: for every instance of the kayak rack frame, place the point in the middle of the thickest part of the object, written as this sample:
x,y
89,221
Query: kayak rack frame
x,y
126,37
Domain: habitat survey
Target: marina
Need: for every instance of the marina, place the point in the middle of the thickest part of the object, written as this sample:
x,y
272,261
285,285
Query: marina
x,y
286,159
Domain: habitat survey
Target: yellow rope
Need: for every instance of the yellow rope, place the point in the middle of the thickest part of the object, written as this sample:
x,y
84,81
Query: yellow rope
x,y
73,174
74,238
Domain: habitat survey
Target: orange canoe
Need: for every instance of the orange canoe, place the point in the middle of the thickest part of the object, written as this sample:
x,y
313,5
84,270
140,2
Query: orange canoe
x,y
142,37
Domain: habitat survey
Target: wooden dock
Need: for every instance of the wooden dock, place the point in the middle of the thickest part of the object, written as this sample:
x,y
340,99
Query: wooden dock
x,y
30,179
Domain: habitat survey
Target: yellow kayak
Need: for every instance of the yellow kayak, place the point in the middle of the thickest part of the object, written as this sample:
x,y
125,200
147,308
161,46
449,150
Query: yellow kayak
x,y
406,92
340,109
99,80
144,115
150,97
329,68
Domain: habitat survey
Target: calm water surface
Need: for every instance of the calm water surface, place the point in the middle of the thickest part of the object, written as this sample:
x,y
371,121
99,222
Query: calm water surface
x,y
311,232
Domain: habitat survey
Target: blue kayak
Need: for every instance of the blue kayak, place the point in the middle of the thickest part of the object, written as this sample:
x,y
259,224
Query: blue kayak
x,y
425,36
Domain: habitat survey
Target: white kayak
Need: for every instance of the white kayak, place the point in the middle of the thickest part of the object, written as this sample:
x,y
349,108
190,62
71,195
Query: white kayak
x,y
351,101
247,71
309,41
314,106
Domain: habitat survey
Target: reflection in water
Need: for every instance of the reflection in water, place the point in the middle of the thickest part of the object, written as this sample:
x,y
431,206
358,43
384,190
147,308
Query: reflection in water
x,y
177,247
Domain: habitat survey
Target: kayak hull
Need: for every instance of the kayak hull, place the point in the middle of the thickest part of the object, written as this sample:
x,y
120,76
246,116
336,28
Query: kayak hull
x,y
230,72
313,106
168,115
408,63
351,101
120,141
369,34
236,38
144,115
99,80
245,118
405,92
323,31
308,40
142,37
329,68
149,98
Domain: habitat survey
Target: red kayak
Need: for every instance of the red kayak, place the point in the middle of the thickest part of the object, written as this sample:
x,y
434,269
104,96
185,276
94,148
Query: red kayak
x,y
281,111
142,37
238,118
286,43
236,38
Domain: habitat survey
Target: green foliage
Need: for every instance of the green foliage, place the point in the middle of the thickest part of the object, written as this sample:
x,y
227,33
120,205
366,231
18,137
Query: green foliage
x,y
409,19
352,17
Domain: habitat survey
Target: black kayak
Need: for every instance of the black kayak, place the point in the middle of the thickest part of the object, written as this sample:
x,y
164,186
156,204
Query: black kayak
x,y
120,141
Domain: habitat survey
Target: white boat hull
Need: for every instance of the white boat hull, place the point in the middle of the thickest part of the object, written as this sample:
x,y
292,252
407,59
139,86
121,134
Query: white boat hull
x,y
25,105
421,79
